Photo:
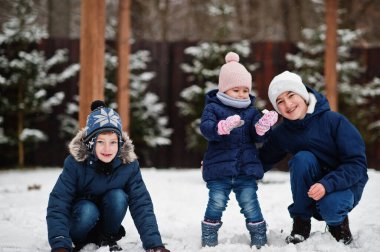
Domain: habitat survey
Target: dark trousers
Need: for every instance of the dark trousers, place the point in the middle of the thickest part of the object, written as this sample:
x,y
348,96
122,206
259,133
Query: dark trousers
x,y
305,171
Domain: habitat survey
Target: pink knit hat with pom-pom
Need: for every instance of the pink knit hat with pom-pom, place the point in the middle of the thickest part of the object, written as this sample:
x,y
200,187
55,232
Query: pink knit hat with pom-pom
x,y
233,74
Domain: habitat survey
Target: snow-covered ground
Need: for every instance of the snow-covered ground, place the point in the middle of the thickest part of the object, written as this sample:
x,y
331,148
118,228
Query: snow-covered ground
x,y
180,198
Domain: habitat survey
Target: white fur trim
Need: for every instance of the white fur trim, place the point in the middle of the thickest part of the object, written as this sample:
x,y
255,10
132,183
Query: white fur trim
x,y
312,103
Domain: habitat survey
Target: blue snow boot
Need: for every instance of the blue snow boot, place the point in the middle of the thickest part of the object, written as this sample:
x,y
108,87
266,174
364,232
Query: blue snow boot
x,y
210,233
258,232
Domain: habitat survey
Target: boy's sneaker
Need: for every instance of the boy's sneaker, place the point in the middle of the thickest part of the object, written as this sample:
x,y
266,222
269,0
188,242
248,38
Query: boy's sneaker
x,y
300,232
113,246
110,240
341,232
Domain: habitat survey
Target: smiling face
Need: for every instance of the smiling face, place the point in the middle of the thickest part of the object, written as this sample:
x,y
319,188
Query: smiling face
x,y
106,146
238,93
291,106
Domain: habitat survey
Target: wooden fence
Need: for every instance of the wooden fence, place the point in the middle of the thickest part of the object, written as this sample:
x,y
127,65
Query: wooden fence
x,y
170,80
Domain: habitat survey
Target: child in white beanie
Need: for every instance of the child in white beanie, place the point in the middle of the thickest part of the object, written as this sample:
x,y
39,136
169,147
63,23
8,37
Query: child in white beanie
x,y
231,162
328,168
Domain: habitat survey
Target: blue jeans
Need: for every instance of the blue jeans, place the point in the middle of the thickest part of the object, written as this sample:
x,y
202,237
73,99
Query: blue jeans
x,y
111,210
245,190
305,171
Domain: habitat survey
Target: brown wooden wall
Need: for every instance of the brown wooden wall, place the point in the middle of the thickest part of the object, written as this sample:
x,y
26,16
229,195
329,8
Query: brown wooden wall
x,y
168,83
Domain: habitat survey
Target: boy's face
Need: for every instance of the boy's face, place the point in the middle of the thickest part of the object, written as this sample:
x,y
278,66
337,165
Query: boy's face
x,y
291,105
106,146
238,92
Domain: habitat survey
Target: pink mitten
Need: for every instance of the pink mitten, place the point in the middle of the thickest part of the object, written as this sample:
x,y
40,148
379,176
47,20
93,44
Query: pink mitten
x,y
231,122
266,121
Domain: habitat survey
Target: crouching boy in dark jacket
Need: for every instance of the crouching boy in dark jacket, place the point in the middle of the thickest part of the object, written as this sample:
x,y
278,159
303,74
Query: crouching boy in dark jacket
x,y
101,178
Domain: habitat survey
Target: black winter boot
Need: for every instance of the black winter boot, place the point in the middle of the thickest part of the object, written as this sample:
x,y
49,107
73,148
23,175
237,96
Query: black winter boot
x,y
92,237
77,248
341,232
110,240
300,232
113,246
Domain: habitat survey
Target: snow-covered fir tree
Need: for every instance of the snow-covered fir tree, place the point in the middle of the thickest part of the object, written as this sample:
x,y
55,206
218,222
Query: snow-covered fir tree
x,y
203,73
203,70
149,124
27,82
356,100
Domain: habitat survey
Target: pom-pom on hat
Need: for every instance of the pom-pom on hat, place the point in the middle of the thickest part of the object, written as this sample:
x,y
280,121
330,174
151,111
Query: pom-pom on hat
x,y
284,82
101,119
233,74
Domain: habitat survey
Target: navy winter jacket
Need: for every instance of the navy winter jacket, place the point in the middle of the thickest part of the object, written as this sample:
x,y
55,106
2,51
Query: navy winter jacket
x,y
234,154
80,180
335,142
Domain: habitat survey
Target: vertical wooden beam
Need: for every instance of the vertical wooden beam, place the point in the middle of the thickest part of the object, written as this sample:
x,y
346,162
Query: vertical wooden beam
x,y
331,53
92,47
123,53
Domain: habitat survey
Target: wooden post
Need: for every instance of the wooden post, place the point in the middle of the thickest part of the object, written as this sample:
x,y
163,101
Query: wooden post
x,y
92,47
123,52
331,53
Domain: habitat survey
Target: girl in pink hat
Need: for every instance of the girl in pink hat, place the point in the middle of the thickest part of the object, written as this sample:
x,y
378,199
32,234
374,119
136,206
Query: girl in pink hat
x,y
232,126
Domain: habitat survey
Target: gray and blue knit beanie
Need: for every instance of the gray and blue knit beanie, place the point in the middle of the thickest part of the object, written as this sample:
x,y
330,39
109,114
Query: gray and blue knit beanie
x,y
101,119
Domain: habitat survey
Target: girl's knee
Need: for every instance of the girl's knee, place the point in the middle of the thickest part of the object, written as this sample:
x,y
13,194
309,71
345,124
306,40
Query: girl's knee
x,y
251,209
218,204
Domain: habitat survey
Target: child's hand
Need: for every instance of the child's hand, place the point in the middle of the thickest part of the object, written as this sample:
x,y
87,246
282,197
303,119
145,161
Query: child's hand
x,y
317,191
266,121
231,122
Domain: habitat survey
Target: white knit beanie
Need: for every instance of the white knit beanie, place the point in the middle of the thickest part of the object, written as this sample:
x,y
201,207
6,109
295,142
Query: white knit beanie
x,y
284,82
233,74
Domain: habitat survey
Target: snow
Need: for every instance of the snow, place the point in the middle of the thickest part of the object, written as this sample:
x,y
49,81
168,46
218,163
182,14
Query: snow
x,y
180,198
35,134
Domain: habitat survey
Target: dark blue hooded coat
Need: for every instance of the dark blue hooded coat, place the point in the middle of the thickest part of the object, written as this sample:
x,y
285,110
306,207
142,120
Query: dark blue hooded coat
x,y
234,154
80,180
335,142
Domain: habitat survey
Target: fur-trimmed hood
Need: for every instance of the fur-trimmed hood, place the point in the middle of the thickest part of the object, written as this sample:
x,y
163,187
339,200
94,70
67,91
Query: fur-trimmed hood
x,y
79,150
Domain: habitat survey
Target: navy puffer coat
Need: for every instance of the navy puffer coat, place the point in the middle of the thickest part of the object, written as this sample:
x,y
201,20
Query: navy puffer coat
x,y
79,180
335,142
234,154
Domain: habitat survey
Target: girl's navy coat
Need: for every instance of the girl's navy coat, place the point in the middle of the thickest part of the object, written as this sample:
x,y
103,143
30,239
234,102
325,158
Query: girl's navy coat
x,y
335,142
234,154
80,180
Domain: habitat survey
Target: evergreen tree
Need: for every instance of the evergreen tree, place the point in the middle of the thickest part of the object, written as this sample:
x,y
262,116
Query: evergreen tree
x,y
203,74
149,124
27,82
356,100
